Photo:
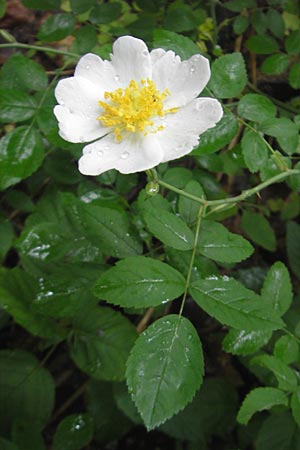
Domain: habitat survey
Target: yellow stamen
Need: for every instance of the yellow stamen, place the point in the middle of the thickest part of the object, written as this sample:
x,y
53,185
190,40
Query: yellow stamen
x,y
133,108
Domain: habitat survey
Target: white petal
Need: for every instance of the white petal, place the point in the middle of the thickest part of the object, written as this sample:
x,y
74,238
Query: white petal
x,y
76,128
79,95
156,54
182,129
131,60
134,154
101,73
184,80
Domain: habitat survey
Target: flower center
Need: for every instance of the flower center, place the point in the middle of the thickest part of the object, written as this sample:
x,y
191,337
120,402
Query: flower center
x,y
133,109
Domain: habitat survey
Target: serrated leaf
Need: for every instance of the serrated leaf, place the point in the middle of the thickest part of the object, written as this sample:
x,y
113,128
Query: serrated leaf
x,y
165,369
277,288
21,153
217,243
295,405
16,106
292,42
80,6
255,150
188,208
56,27
26,390
168,40
180,18
262,44
286,348
219,136
105,13
102,340
279,128
140,282
293,247
286,377
19,72
259,230
256,107
228,75
260,399
241,342
168,228
275,64
232,304
73,432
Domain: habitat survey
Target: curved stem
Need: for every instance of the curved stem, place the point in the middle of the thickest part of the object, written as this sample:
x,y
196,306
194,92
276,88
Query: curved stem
x,y
39,48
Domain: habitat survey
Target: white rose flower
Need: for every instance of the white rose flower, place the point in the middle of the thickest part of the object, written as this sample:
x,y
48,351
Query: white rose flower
x,y
139,109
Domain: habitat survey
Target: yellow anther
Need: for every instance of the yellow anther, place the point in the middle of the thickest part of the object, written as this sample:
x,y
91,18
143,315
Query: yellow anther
x,y
131,109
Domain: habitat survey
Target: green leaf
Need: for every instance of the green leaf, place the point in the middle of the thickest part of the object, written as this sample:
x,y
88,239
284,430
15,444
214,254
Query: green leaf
x,y
105,13
259,21
294,76
26,390
255,150
256,107
7,445
293,247
73,432
42,4
109,229
168,228
239,5
275,64
19,72
140,282
2,8
240,24
217,243
277,288
17,293
219,136
56,27
228,76
26,436
188,208
259,230
165,369
16,106
6,237
287,349
181,45
180,18
295,405
278,431
262,44
101,343
275,22
292,42
21,154
232,304
80,6
260,399
86,39
279,128
241,342
285,376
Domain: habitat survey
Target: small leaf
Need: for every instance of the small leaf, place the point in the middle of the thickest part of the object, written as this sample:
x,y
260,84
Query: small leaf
x,y
232,304
259,230
292,42
168,40
102,340
16,106
295,405
188,208
21,154
140,282
165,369
241,342
105,13
287,349
260,399
228,75
219,136
168,228
277,288
294,76
256,107
262,44
279,128
56,27
19,72
255,150
73,432
293,247
180,18
286,377
217,243
80,6
275,64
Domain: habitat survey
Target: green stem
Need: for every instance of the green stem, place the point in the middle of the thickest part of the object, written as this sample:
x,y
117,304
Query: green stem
x,y
245,194
200,214
255,131
39,48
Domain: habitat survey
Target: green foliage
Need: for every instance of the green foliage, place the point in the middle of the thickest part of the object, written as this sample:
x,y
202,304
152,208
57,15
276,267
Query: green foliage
x,y
107,282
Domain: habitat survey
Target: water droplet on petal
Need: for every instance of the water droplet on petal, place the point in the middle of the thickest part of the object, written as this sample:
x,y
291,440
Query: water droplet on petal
x,y
192,69
117,77
106,147
87,67
124,155
99,153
